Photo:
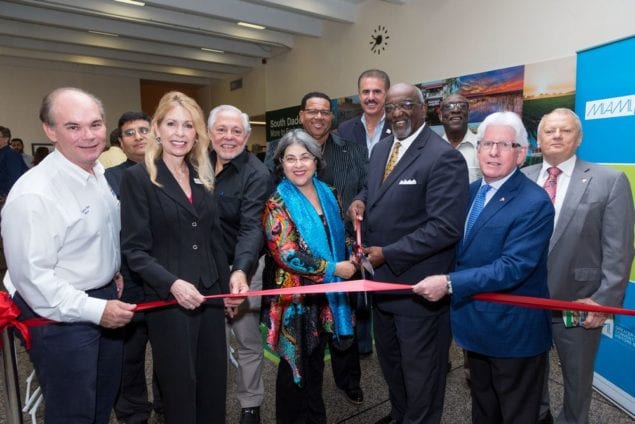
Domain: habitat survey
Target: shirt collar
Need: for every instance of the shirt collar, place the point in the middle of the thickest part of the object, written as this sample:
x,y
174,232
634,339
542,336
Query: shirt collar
x,y
412,136
380,124
74,170
499,183
238,162
566,167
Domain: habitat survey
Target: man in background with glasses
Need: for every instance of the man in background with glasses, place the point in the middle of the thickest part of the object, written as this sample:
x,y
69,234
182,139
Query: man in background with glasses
x,y
132,404
413,207
345,169
504,249
453,114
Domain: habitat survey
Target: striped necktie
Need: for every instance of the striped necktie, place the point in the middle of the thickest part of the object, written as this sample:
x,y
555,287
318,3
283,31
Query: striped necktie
x,y
551,184
477,207
392,160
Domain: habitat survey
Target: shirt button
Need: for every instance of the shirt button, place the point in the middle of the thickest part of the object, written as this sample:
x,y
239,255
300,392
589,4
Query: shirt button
x,y
194,246
194,224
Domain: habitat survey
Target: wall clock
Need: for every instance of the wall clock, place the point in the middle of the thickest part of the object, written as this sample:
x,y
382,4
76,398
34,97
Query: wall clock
x,y
379,39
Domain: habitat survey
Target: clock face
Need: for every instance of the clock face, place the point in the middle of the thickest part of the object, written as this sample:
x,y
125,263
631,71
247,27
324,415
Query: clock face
x,y
379,39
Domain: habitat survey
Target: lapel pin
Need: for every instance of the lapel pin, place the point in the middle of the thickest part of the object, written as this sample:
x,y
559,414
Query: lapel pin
x,y
584,180
502,199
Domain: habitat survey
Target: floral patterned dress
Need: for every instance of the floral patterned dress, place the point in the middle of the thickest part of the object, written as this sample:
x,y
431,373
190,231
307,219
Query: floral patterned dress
x,y
295,323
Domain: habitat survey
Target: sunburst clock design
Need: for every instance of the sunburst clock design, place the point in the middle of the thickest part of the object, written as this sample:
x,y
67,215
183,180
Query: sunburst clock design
x,y
379,39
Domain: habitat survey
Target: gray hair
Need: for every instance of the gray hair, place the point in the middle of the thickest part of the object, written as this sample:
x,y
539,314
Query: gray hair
x,y
302,138
510,119
562,111
213,115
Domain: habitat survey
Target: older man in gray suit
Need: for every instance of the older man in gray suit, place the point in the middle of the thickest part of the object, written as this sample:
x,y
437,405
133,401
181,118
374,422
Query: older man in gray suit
x,y
590,252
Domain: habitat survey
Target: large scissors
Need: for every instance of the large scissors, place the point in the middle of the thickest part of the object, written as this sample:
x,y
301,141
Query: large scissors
x,y
358,251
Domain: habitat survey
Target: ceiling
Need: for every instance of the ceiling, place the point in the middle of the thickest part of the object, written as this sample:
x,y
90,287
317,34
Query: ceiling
x,y
163,40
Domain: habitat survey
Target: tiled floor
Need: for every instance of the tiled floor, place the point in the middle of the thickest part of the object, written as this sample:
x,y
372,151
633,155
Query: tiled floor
x,y
376,405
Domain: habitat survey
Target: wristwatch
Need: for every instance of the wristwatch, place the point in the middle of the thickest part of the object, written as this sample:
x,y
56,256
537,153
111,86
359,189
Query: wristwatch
x,y
449,284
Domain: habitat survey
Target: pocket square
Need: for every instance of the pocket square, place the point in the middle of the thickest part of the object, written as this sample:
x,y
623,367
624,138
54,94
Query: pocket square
x,y
408,182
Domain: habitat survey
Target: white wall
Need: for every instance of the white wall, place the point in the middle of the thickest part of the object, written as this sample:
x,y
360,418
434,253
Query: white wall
x,y
24,82
434,39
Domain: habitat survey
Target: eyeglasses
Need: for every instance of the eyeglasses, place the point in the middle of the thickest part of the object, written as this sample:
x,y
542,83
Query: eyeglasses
x,y
407,105
502,145
460,106
304,160
131,132
315,112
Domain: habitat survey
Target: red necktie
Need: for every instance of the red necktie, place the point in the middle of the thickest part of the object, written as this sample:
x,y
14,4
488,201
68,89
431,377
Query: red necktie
x,y
551,185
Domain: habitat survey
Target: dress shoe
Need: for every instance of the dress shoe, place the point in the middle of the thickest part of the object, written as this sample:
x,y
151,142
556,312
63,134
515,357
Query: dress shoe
x,y
354,396
387,420
547,419
250,415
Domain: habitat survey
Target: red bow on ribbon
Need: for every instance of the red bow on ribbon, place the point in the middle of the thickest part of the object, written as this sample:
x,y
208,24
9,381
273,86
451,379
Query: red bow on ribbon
x,y
9,313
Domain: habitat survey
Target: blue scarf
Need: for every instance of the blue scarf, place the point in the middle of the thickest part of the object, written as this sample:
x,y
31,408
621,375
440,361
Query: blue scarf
x,y
311,230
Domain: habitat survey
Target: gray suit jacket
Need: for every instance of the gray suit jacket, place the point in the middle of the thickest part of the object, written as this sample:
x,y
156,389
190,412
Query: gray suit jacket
x,y
591,249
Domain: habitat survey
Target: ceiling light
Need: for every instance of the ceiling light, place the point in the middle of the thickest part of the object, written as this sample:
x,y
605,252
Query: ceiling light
x,y
134,2
248,25
212,50
109,34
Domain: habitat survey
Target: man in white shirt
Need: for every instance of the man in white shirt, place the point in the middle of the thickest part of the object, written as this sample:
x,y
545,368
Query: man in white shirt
x,y
453,114
60,227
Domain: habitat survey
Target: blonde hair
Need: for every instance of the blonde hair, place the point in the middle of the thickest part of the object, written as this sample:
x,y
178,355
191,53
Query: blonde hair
x,y
198,157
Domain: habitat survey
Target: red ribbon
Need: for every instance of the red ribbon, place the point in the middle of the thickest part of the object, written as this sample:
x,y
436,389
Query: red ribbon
x,y
552,304
9,312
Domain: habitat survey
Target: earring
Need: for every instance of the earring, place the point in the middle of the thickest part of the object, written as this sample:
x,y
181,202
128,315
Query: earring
x,y
158,140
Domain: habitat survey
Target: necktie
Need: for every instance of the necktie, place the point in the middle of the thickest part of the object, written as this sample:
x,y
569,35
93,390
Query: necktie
x,y
477,207
551,184
392,160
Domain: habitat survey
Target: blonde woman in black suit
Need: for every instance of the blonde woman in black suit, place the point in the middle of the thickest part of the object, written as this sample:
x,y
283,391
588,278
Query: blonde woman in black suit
x,y
171,237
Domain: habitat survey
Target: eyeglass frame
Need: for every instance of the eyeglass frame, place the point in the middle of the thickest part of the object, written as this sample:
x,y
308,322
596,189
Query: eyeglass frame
x,y
313,113
131,132
304,159
501,145
452,106
405,105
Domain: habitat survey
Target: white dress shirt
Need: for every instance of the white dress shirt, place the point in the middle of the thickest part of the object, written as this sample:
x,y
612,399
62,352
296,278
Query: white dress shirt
x,y
494,186
60,226
405,143
467,147
563,182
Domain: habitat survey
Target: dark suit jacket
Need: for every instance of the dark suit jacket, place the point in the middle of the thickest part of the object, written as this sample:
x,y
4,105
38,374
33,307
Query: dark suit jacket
x,y
164,237
133,284
506,251
115,174
416,215
591,250
353,130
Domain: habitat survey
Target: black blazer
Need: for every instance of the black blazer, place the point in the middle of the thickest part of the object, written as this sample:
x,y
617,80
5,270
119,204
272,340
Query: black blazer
x,y
164,237
417,215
